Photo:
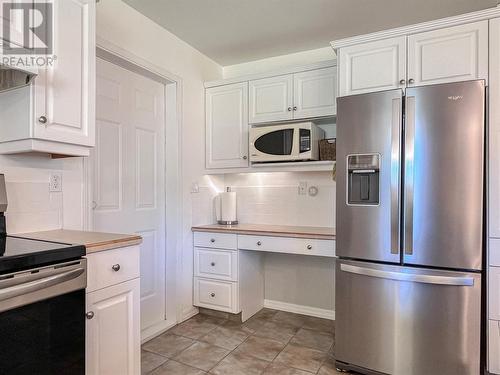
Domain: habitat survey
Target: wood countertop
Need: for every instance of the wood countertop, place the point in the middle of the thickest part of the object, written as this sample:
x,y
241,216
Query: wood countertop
x,y
93,241
320,233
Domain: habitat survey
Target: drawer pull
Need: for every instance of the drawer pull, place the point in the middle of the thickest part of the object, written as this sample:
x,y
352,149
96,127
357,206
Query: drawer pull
x,y
116,267
259,243
89,315
212,295
309,247
212,240
212,264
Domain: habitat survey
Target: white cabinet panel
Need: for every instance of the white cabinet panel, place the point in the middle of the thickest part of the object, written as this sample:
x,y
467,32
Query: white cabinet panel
x,y
227,126
271,99
458,53
64,93
494,129
494,252
373,66
494,293
113,333
314,93
494,347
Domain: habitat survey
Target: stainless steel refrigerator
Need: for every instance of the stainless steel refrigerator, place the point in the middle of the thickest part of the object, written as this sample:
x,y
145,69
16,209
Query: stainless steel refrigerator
x,y
410,223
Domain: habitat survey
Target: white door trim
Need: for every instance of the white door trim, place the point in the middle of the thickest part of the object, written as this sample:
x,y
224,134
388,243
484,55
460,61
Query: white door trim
x,y
173,173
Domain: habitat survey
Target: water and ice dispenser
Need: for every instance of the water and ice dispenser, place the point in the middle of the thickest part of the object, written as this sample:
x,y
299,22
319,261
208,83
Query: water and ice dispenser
x,y
363,179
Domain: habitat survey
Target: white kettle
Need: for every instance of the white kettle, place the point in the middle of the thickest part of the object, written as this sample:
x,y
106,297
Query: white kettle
x,y
225,208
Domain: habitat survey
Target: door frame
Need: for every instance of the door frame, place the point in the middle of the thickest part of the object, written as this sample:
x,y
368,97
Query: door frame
x,y
173,175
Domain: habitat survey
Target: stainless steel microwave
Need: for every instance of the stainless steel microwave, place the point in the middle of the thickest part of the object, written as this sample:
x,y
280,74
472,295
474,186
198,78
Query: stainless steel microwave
x,y
288,142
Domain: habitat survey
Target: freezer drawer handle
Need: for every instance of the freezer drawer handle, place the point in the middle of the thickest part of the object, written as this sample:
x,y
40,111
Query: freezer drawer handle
x,y
426,279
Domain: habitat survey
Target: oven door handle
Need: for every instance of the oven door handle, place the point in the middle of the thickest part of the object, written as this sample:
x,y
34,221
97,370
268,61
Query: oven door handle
x,y
33,286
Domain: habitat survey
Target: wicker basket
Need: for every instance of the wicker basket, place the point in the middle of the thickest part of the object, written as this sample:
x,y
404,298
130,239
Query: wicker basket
x,y
327,149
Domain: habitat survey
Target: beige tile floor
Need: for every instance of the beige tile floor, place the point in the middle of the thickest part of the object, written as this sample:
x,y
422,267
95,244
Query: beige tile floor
x,y
271,342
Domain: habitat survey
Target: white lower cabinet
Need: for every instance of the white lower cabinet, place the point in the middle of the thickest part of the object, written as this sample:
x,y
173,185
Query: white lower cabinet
x,y
494,347
113,329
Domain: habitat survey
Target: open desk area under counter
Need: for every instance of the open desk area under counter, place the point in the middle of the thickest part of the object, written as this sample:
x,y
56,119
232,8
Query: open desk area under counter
x,y
229,261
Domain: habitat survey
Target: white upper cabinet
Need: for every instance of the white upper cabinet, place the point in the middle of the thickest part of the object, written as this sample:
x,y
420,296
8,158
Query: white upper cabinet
x,y
458,53
372,66
271,99
314,93
227,126
64,93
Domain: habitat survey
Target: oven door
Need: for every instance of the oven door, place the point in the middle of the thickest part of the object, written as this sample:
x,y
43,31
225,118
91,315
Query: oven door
x,y
42,320
274,143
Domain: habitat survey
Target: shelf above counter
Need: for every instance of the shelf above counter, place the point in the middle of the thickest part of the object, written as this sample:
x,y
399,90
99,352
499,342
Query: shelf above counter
x,y
305,166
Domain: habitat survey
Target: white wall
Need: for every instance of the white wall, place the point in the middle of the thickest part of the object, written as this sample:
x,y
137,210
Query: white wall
x,y
126,28
280,62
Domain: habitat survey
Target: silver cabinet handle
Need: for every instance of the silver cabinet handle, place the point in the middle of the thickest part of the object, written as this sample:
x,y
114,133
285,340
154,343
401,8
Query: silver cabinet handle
x,y
295,108
212,295
309,247
42,120
116,267
289,109
411,81
411,277
245,157
94,205
402,82
89,315
212,240
212,264
259,243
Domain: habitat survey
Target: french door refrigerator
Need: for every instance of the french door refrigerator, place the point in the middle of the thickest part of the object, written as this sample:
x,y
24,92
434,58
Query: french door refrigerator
x,y
410,222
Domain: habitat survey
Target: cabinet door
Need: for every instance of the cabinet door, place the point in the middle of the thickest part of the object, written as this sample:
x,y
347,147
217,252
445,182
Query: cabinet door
x,y
314,93
113,333
458,53
227,126
271,99
373,66
494,347
494,130
65,92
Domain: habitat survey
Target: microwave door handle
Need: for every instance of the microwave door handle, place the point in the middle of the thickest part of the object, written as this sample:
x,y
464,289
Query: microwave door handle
x,y
296,142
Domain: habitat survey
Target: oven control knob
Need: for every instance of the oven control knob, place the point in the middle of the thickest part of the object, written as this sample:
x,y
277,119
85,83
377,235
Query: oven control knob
x,y
116,267
89,315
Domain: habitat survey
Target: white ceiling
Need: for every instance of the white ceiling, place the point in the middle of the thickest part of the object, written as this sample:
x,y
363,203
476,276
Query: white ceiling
x,y
235,31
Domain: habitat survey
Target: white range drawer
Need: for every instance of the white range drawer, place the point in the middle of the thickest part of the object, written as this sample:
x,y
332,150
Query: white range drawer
x,y
287,245
216,263
494,249
494,293
217,295
215,240
110,267
494,347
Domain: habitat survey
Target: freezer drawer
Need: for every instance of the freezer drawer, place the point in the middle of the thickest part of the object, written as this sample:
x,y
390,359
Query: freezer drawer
x,y
400,320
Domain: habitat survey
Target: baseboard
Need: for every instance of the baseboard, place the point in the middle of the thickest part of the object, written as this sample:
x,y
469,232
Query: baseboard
x,y
300,309
188,313
156,330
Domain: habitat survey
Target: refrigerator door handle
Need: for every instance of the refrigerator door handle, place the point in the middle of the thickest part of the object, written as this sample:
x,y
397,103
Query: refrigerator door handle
x,y
409,171
416,278
395,173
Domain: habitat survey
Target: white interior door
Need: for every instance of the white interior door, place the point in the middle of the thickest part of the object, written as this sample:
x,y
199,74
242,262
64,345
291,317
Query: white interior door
x,y
129,173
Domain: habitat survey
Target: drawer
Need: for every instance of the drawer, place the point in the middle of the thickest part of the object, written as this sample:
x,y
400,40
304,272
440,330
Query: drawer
x,y
110,267
215,240
494,293
217,295
494,251
216,263
287,245
494,347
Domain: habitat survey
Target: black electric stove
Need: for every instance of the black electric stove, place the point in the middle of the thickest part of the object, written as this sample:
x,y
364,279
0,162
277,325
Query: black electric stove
x,y
17,253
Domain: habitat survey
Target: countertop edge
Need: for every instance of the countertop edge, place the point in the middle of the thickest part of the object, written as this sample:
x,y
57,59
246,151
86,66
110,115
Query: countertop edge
x,y
250,232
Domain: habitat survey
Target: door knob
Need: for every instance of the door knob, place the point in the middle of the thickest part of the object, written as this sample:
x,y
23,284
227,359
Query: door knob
x,y
402,82
89,315
42,120
411,81
116,267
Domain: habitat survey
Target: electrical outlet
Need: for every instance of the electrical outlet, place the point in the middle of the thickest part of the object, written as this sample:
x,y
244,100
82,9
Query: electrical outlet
x,y
302,187
55,183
